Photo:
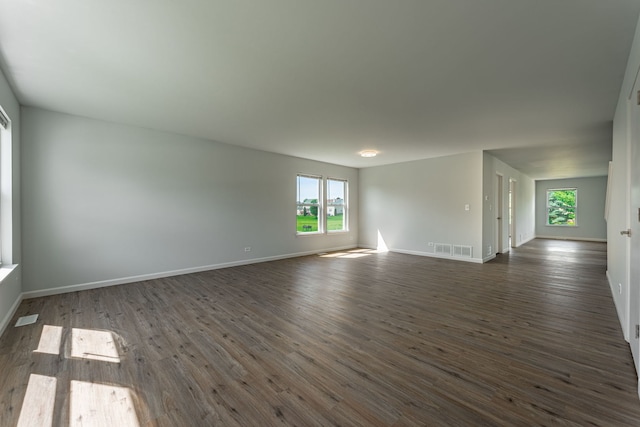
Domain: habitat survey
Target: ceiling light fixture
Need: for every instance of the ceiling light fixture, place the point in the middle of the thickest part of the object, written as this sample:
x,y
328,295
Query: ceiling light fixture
x,y
368,153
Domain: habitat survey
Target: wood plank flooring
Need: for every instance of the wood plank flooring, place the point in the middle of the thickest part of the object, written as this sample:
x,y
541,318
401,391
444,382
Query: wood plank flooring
x,y
353,339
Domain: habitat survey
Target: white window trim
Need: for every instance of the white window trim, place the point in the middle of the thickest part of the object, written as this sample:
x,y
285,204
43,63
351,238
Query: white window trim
x,y
344,205
322,205
319,205
546,213
6,191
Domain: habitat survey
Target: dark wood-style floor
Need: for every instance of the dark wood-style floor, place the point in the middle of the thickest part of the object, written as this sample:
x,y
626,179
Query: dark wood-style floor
x,y
358,339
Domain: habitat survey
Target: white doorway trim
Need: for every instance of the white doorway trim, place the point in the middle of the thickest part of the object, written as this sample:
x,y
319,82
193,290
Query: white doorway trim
x,y
499,214
513,239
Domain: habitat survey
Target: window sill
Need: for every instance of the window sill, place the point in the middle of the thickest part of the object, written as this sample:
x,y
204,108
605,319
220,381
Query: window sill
x,y
327,233
6,270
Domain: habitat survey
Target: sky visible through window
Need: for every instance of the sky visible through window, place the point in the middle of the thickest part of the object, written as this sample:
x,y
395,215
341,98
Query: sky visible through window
x,y
307,188
335,189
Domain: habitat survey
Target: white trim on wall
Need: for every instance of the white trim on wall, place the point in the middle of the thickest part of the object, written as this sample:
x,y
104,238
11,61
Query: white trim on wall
x,y
432,255
143,277
579,239
9,315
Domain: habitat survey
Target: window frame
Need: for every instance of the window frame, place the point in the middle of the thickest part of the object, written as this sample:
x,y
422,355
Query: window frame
x,y
319,205
575,207
6,222
344,205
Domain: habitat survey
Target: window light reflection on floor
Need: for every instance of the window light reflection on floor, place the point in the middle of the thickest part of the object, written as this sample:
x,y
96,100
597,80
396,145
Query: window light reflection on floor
x,y
359,253
355,253
39,402
100,405
552,249
50,340
90,404
94,345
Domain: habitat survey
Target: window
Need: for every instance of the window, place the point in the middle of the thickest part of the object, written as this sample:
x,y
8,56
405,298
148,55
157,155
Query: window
x,y
336,205
309,204
562,207
5,188
321,205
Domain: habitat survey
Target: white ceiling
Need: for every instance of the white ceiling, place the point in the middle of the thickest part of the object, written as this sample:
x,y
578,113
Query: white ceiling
x,y
324,79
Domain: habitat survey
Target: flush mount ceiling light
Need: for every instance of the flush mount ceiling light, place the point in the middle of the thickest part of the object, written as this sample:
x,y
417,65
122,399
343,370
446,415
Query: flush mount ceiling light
x,y
368,153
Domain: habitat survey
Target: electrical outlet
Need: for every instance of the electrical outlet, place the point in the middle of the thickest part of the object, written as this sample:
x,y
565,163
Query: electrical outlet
x,y
247,249
619,288
430,243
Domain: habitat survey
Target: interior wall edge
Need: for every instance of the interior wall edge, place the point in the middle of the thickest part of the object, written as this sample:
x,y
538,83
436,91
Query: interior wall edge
x,y
526,241
10,313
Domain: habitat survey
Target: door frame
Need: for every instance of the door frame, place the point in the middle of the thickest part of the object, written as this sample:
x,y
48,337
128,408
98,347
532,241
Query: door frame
x,y
512,216
499,214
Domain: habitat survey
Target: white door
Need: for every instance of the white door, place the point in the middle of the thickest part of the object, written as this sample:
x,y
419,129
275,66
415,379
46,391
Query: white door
x,y
634,188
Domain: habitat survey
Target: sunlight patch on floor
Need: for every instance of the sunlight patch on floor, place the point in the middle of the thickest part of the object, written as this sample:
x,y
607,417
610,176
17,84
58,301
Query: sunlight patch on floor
x,y
99,405
556,249
353,253
50,340
90,404
39,401
359,255
94,345
333,255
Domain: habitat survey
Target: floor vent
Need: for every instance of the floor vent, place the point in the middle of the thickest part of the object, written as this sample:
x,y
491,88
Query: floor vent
x,y
442,249
27,320
462,251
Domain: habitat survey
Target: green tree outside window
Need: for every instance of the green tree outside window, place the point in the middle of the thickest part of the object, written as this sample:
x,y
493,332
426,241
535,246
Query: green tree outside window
x,y
561,207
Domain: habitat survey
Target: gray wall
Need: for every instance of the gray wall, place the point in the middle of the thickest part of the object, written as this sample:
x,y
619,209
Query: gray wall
x,y
411,204
11,286
524,204
590,210
105,203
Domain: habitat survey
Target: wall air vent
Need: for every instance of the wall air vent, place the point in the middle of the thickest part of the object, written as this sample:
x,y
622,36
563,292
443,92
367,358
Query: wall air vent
x,y
442,249
462,251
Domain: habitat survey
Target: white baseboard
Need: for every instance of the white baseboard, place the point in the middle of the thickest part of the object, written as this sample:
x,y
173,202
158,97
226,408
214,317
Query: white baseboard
x,y
160,275
616,300
9,316
432,255
579,239
372,247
